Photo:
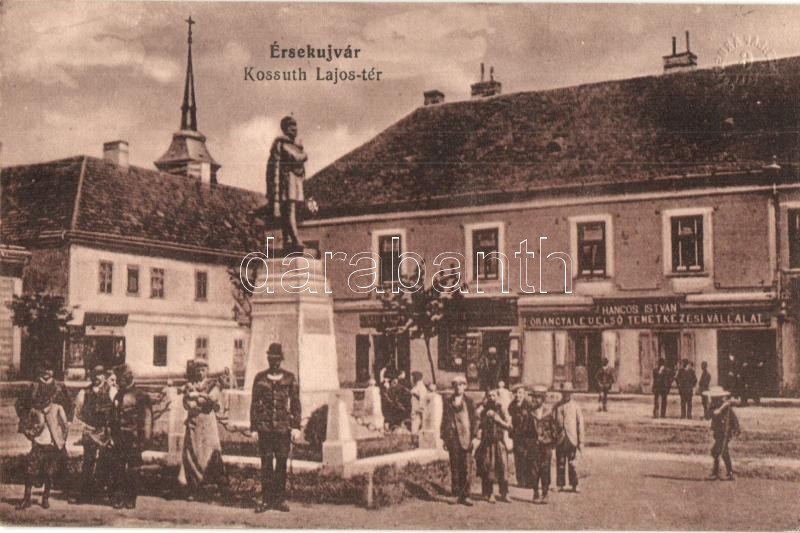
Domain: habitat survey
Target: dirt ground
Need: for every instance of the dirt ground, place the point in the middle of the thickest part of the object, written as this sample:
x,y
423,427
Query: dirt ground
x,y
615,494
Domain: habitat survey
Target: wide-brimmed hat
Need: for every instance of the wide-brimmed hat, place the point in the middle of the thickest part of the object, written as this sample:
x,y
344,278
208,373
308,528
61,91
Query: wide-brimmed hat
x,y
275,350
567,387
716,392
518,386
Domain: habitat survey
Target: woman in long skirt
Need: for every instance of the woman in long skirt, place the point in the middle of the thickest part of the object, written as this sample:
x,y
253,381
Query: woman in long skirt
x,y
201,461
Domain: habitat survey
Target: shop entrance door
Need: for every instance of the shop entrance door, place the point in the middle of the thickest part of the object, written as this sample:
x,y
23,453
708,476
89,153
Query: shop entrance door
x,y
104,350
493,371
393,354
669,349
753,365
588,358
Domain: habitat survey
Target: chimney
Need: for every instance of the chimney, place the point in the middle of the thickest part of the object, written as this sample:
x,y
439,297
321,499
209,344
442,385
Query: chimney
x,y
484,89
680,62
201,170
433,97
116,152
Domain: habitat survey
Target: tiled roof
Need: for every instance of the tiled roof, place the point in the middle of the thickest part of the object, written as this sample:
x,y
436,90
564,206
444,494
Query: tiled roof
x,y
132,204
610,134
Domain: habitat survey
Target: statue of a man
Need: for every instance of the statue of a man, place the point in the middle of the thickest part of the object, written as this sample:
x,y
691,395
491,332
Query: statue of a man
x,y
285,174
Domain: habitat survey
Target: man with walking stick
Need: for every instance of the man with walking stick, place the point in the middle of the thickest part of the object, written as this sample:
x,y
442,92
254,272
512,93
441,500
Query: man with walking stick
x,y
275,416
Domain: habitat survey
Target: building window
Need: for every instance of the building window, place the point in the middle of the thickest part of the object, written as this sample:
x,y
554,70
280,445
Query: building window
x,y
389,249
133,280
485,241
160,350
106,276
201,348
156,283
592,248
794,238
687,243
201,285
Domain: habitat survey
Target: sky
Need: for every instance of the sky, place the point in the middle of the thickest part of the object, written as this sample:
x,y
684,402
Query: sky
x,y
76,74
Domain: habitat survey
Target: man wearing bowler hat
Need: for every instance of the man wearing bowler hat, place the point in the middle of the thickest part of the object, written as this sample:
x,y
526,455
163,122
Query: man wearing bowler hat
x,y
275,416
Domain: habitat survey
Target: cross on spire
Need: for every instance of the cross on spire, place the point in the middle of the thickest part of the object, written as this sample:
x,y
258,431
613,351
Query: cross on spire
x,y
189,21
189,107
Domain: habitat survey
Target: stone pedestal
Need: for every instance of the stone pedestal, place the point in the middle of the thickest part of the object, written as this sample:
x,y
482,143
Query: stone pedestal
x,y
294,310
373,407
339,447
176,425
429,435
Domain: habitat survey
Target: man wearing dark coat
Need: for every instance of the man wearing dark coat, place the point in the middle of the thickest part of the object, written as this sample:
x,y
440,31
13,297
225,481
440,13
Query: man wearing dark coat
x,y
275,416
93,409
458,431
131,428
285,175
705,383
523,433
686,381
662,381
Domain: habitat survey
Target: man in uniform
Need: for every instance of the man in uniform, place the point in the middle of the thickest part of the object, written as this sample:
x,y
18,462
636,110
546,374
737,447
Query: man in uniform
x,y
92,409
275,416
523,433
285,175
131,428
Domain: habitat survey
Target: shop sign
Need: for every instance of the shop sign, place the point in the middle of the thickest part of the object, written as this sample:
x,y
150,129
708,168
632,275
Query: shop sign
x,y
105,319
647,315
379,321
482,312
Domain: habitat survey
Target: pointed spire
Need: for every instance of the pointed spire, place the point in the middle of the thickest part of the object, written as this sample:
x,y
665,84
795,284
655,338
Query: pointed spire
x,y
189,107
187,155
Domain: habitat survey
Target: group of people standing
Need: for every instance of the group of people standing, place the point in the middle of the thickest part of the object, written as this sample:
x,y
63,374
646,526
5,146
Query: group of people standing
x,y
686,380
117,422
526,425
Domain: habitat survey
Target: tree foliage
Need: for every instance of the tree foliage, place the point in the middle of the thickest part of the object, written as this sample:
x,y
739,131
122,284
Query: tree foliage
x,y
419,311
43,320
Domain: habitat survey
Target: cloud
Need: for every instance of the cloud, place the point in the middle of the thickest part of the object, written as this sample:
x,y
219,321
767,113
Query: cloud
x,y
244,152
54,42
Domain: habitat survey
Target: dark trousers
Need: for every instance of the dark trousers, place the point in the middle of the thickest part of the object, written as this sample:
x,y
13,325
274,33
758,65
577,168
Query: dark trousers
x,y
89,481
706,413
540,473
487,487
459,471
273,444
524,457
126,460
603,399
720,448
686,404
565,454
662,397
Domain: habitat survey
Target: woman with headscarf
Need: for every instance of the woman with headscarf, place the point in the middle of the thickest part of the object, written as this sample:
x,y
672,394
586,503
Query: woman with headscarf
x,y
201,461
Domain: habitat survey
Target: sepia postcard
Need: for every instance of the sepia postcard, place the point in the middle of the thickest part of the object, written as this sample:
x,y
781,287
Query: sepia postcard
x,y
400,265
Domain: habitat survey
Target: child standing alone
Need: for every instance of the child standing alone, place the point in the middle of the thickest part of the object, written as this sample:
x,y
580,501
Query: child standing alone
x,y
724,426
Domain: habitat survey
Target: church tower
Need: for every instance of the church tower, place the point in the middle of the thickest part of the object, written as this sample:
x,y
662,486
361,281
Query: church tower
x,y
187,155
